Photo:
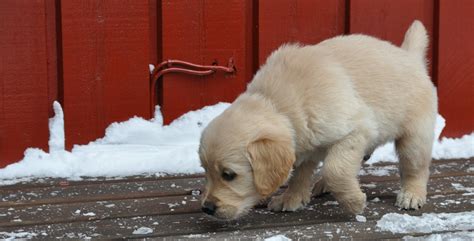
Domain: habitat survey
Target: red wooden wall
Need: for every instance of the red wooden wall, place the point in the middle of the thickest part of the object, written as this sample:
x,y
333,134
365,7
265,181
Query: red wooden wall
x,y
27,73
105,57
456,65
93,55
205,32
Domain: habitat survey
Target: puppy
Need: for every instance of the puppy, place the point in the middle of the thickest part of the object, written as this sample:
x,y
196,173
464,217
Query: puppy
x,y
334,102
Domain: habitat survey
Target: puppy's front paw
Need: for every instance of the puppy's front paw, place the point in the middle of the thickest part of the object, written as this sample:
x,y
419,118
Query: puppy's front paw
x,y
353,203
410,200
288,202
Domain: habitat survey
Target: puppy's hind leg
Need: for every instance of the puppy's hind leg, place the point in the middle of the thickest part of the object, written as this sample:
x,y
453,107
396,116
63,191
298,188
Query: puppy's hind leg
x,y
299,189
414,151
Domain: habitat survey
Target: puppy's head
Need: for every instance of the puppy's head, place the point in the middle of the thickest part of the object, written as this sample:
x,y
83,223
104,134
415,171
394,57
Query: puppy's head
x,y
245,161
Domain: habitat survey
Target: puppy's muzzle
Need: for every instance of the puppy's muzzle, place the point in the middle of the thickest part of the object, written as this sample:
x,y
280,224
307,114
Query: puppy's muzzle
x,y
209,208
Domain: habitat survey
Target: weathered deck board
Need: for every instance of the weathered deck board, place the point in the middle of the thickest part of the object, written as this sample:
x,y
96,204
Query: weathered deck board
x,y
158,187
192,223
68,212
115,208
100,192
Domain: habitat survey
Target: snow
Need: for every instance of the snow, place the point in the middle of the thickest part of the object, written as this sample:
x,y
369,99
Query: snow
x,y
56,124
151,67
378,171
427,223
139,146
135,146
143,230
468,190
17,235
330,203
89,214
375,200
278,238
361,218
456,236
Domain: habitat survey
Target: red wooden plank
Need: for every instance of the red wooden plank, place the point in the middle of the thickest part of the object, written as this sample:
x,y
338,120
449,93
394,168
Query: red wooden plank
x,y
205,32
304,21
27,64
106,52
52,35
155,31
456,66
389,20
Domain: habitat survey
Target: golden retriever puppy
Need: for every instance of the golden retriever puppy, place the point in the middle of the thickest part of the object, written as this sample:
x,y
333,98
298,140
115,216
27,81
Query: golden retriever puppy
x,y
334,102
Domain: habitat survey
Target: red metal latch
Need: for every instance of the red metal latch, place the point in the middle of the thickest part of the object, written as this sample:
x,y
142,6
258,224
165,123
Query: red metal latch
x,y
179,66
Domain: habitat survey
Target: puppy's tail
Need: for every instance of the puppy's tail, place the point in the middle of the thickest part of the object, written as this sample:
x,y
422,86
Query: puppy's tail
x,y
416,39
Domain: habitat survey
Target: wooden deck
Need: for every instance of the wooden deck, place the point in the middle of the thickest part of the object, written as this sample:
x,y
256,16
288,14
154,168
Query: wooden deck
x,y
170,206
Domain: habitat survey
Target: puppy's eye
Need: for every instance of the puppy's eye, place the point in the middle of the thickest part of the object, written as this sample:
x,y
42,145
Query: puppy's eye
x,y
228,175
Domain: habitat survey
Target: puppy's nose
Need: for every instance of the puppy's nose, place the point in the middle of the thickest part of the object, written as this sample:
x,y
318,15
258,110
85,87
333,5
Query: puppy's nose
x,y
209,208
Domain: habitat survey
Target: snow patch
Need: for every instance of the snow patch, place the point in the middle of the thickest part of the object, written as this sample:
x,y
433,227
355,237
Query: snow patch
x,y
151,67
375,200
17,235
197,236
330,203
56,129
378,171
135,146
139,146
456,236
427,223
278,238
460,187
361,218
143,230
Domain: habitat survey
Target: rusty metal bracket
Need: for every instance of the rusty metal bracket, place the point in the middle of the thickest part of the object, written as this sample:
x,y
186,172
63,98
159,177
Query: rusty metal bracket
x,y
179,66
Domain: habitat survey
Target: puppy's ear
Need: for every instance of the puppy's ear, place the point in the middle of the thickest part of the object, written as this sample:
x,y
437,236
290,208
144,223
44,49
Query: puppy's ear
x,y
271,161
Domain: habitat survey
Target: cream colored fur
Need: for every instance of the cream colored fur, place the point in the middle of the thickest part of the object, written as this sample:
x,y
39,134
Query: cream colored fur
x,y
334,102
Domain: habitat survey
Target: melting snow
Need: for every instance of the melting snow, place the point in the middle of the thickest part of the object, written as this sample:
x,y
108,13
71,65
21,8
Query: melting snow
x,y
143,230
139,146
17,235
375,200
361,218
132,147
151,67
457,236
460,187
330,203
278,238
427,223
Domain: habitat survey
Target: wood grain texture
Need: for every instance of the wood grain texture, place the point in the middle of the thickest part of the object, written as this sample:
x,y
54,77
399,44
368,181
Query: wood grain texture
x,y
143,205
132,188
456,66
318,214
27,70
205,32
303,21
389,20
106,54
